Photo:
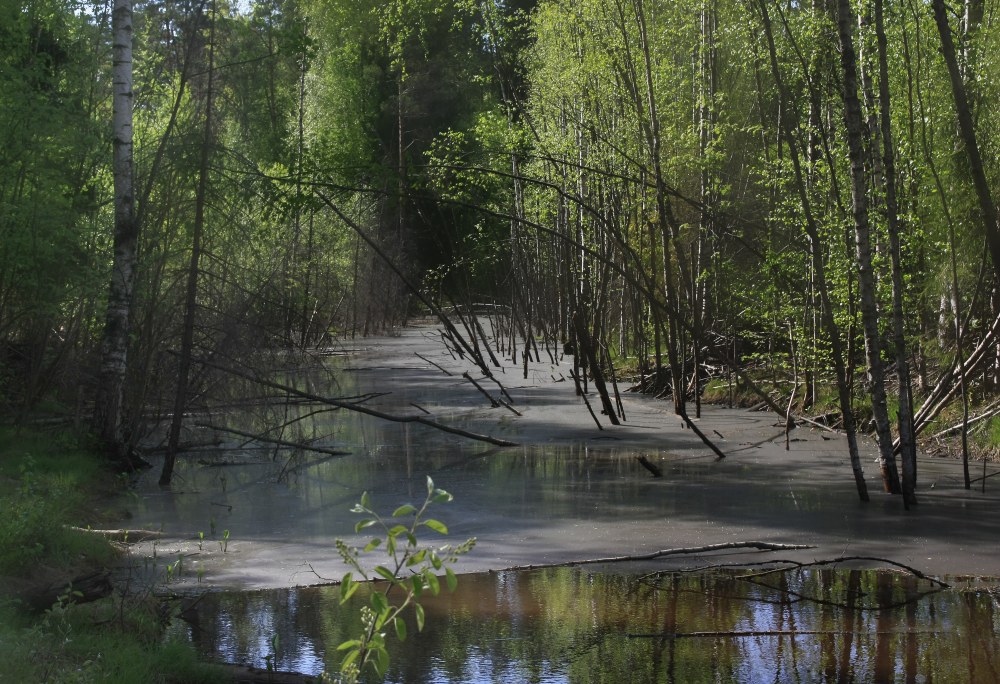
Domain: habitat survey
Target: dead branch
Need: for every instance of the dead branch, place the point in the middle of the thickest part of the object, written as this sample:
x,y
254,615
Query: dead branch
x,y
496,403
844,559
493,402
815,423
289,468
984,477
420,408
769,633
443,370
579,390
360,409
690,550
274,440
701,435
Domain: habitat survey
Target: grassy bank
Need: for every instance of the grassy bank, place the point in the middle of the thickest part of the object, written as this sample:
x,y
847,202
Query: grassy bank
x,y
48,485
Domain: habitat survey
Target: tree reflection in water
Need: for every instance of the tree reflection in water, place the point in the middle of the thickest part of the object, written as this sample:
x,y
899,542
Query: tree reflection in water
x,y
804,624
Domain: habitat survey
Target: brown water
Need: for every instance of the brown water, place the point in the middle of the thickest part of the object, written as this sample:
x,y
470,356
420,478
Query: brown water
x,y
570,625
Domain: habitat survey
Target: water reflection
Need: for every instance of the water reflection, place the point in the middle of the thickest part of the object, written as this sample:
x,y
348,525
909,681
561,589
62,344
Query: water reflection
x,y
570,625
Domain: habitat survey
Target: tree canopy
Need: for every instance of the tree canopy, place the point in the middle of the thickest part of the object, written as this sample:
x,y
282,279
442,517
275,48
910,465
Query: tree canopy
x,y
800,196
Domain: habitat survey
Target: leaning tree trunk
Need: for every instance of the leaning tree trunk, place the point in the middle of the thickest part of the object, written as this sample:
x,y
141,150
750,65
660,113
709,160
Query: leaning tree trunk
x,y
108,409
967,131
863,250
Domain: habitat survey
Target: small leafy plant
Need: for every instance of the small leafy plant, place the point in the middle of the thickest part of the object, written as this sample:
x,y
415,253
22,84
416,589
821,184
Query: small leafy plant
x,y
404,555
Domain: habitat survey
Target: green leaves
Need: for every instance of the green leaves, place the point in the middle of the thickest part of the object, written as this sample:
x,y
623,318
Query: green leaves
x,y
405,509
418,611
436,525
403,554
347,588
362,524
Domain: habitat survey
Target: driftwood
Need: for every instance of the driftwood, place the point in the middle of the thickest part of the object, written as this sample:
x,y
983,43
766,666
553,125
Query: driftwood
x,y
690,550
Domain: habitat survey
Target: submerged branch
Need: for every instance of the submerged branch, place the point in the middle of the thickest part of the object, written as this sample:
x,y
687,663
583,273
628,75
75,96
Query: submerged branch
x,y
690,550
357,407
274,440
732,634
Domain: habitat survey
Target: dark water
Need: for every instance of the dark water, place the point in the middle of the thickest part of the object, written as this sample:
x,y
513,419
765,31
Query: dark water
x,y
570,625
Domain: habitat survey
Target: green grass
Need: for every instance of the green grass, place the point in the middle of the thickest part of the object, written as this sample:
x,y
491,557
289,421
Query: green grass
x,y
83,644
48,483
44,484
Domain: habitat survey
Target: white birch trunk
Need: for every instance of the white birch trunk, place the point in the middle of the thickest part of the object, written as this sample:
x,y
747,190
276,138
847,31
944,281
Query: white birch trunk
x,y
108,409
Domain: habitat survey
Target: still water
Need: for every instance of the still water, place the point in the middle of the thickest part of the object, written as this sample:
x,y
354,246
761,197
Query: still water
x,y
268,517
571,625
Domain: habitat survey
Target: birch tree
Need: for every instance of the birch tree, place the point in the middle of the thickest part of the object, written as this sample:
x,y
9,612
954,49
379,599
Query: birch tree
x,y
114,348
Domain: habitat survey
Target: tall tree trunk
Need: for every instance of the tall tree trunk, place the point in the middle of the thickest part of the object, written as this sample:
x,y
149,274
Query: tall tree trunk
x,y
907,442
815,250
652,132
863,250
191,297
109,409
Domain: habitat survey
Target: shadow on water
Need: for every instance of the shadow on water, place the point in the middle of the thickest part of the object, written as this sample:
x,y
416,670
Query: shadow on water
x,y
568,493
570,625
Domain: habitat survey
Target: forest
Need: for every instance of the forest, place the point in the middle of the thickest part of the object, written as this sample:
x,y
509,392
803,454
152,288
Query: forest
x,y
790,202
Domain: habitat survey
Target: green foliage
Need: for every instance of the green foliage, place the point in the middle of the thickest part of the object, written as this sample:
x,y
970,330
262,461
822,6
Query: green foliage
x,y
97,644
991,433
48,482
42,481
394,594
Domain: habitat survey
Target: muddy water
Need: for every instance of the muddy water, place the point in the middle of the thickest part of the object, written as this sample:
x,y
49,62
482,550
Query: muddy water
x,y
246,515
568,625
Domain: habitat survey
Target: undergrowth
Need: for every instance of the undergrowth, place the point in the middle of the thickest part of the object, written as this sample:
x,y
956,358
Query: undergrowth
x,y
49,484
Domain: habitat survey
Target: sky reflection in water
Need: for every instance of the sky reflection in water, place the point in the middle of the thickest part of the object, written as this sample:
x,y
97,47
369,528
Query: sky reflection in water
x,y
570,625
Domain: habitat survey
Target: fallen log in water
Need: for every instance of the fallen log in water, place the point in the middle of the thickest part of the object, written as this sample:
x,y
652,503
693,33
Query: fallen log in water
x,y
273,440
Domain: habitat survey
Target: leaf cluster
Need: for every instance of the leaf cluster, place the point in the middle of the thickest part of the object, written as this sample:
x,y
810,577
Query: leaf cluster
x,y
409,569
